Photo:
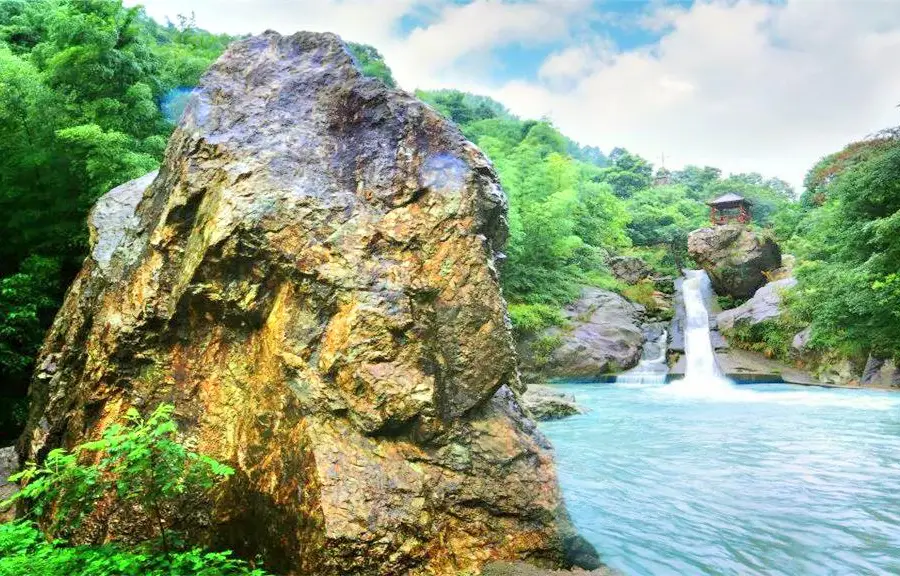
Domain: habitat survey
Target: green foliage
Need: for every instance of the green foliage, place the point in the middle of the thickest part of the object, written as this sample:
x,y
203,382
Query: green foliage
x,y
371,62
848,237
543,347
772,338
25,550
563,218
642,293
143,466
83,84
140,462
531,318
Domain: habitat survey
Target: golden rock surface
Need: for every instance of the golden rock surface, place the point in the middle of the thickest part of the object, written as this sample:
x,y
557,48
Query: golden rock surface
x,y
310,280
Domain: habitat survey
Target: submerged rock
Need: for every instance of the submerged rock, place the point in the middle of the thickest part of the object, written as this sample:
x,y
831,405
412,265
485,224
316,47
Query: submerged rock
x,y
601,336
310,280
735,258
545,403
763,306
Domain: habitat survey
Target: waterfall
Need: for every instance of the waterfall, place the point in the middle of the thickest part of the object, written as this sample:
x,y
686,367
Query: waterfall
x,y
702,375
652,369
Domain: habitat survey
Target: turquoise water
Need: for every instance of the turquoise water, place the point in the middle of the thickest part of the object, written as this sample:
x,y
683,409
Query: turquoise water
x,y
766,479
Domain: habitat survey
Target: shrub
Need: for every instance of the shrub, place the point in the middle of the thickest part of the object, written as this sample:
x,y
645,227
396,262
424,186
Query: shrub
x,y
532,318
139,463
543,347
641,293
25,550
771,337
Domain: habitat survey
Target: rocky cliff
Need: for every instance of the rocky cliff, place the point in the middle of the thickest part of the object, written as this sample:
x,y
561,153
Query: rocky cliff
x,y
735,258
310,280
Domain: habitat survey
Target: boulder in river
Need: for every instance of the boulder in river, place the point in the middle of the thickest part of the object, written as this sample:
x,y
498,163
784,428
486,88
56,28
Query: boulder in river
x,y
735,258
602,336
310,279
545,403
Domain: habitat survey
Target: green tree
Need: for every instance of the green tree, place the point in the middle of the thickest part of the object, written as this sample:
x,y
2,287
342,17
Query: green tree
x,y
83,88
143,466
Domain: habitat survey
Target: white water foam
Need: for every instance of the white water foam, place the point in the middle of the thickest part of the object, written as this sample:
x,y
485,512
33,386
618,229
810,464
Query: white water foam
x,y
650,371
703,379
702,376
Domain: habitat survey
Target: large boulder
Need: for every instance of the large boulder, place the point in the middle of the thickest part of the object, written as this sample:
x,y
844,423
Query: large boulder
x,y
601,337
735,258
765,305
310,279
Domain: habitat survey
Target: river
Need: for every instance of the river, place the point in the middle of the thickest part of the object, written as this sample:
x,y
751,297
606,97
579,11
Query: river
x,y
703,476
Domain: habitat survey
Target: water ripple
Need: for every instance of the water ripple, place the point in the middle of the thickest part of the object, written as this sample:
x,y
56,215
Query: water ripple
x,y
770,479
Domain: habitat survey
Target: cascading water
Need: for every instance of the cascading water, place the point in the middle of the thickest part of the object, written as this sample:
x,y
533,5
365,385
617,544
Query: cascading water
x,y
652,369
702,375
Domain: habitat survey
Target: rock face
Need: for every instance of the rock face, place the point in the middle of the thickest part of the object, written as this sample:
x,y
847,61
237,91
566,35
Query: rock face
x,y
9,464
880,372
310,280
735,258
602,336
763,306
629,269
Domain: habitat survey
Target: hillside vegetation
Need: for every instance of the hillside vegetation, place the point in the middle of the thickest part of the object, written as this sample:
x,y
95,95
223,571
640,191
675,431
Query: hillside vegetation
x,y
89,92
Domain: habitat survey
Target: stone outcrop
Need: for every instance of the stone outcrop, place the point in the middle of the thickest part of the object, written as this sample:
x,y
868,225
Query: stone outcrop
x,y
801,340
601,336
310,280
735,258
880,372
9,464
629,269
544,403
763,306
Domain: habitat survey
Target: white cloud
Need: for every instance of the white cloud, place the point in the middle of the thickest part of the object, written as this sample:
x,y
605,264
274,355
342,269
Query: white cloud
x,y
744,85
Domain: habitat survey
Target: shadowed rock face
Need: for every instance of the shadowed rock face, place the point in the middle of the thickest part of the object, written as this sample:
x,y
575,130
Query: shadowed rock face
x,y
310,280
735,258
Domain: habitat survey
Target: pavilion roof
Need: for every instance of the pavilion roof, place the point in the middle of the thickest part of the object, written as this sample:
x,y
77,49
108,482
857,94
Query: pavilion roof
x,y
729,198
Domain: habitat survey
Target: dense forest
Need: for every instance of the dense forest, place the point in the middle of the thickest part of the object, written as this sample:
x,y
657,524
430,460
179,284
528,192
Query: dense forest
x,y
89,92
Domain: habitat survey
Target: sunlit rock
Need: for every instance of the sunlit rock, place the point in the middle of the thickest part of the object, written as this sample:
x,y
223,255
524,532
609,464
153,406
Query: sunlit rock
x,y
310,280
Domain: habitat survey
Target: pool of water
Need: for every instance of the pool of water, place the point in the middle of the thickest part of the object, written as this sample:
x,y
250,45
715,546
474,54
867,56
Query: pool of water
x,y
765,479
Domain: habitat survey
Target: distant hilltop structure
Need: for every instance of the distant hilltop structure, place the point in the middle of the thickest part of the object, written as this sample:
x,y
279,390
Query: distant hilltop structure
x,y
729,207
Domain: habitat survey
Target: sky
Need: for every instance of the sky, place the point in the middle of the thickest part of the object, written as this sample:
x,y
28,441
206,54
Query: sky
x,y
768,86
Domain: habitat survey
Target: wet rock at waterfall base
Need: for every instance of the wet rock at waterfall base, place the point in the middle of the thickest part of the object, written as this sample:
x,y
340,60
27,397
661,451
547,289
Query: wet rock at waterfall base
x,y
735,258
310,279
601,336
